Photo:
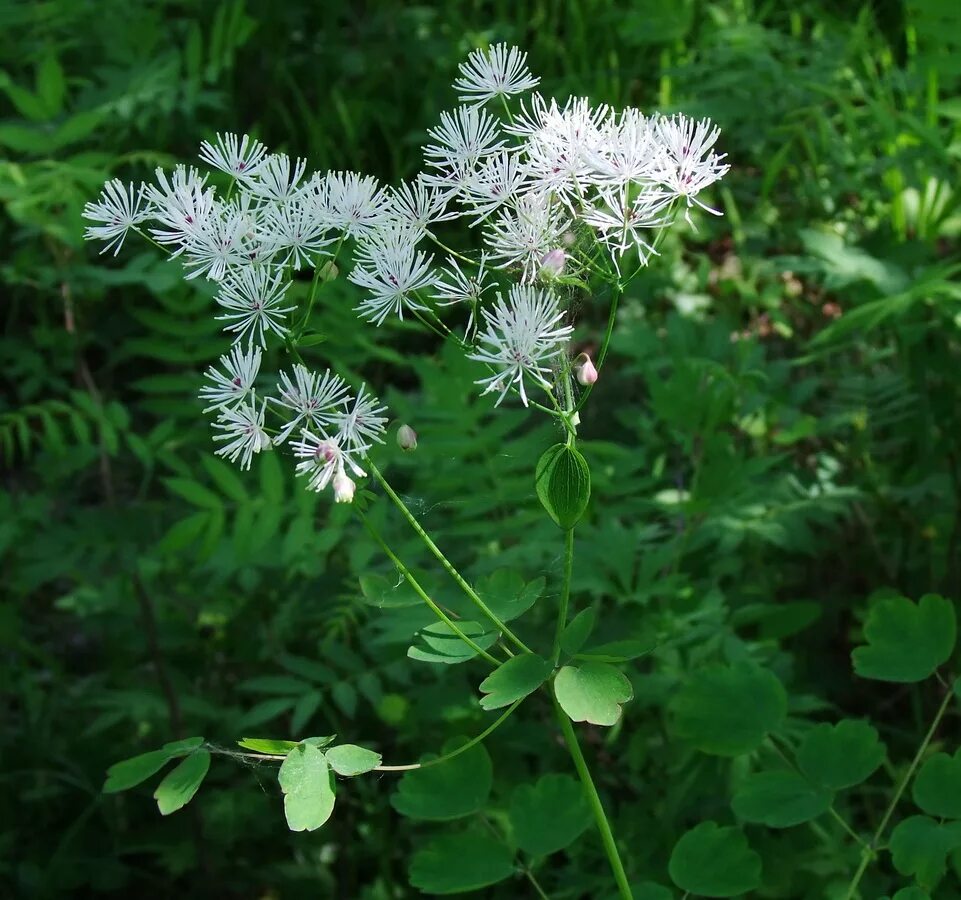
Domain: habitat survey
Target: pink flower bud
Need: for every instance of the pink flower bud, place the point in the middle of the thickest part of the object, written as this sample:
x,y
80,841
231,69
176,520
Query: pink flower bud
x,y
343,488
406,438
553,263
584,370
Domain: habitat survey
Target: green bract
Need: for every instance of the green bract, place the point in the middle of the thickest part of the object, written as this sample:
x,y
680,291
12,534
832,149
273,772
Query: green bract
x,y
563,483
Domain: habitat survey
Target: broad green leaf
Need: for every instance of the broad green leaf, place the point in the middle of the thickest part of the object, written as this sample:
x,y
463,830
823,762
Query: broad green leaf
x,y
349,759
842,755
592,692
514,679
578,630
376,590
906,642
937,789
508,595
181,783
448,790
267,745
710,861
911,893
438,643
455,863
780,799
131,772
549,815
617,651
728,710
308,787
920,846
563,483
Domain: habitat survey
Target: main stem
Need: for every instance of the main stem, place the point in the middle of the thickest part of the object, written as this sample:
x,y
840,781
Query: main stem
x,y
565,593
597,808
446,564
868,853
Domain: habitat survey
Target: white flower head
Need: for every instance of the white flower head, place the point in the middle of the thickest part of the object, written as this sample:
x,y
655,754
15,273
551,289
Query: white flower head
x,y
243,432
240,156
498,180
356,204
223,243
182,204
463,137
520,337
391,268
296,230
118,210
232,388
253,299
622,217
417,206
688,164
454,285
309,396
525,234
277,178
361,422
498,71
323,459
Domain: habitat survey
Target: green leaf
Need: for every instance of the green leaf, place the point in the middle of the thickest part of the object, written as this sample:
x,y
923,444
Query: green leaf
x,y
920,846
440,644
728,710
349,759
592,692
381,592
780,799
449,790
563,483
842,755
508,595
937,789
267,745
906,642
710,861
514,679
194,493
455,863
130,772
911,893
308,787
179,785
578,630
549,815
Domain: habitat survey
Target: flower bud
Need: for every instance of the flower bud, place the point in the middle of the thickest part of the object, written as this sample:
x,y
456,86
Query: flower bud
x,y
343,488
406,438
552,263
584,370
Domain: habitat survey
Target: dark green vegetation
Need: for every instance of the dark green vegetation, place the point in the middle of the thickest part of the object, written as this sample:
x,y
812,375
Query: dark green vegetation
x,y
775,449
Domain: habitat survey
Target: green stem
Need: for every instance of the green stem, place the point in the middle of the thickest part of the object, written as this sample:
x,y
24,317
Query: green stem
x,y
434,762
565,593
409,578
868,853
590,791
445,562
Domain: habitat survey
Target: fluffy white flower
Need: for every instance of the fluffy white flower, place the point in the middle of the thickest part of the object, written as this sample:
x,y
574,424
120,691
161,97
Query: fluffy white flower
x,y
230,389
453,285
182,204
520,337
223,243
252,297
622,216
243,432
296,231
276,178
323,460
417,206
355,203
525,234
498,71
497,181
688,164
361,423
237,156
309,396
629,150
392,269
462,138
118,210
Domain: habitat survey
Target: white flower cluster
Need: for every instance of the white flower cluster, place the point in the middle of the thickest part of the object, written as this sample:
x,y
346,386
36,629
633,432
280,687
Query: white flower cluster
x,y
557,190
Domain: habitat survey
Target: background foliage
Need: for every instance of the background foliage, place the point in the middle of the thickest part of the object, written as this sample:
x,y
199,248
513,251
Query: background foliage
x,y
776,448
